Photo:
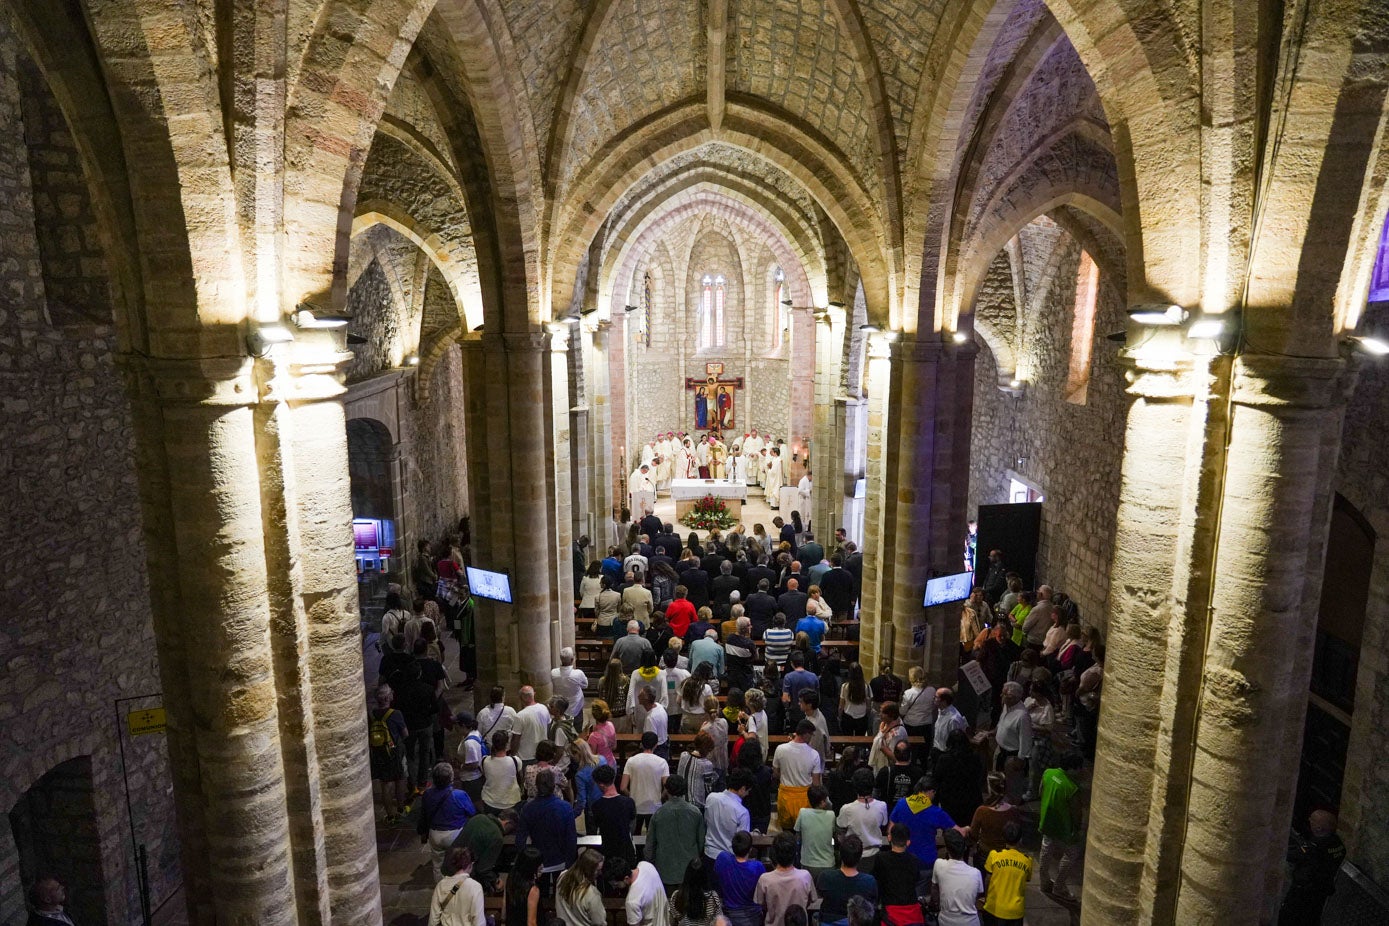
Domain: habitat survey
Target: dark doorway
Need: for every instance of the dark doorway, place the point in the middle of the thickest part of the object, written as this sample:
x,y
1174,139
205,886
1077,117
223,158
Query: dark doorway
x,y
1340,625
56,833
370,461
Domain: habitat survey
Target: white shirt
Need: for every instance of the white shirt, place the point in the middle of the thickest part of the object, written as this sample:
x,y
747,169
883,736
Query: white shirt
x,y
657,722
960,886
1014,730
724,815
569,683
470,753
821,740
645,772
757,723
948,719
636,683
866,821
796,763
533,723
461,908
646,898
495,718
674,679
917,706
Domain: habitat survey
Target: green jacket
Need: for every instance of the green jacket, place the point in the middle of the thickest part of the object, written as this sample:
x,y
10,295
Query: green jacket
x,y
675,838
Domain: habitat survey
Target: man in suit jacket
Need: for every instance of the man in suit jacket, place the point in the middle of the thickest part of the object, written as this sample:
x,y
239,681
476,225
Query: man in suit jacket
x,y
650,526
853,562
668,538
712,561
756,574
721,586
837,587
760,608
794,573
792,602
697,582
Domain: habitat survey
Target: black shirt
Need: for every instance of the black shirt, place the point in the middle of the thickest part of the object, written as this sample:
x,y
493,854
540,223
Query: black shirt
x,y
837,587
697,582
614,816
836,889
886,688
896,782
896,874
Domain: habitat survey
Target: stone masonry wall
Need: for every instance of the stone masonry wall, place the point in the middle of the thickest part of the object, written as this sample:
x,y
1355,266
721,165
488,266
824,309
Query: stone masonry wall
x,y
1071,451
77,635
437,484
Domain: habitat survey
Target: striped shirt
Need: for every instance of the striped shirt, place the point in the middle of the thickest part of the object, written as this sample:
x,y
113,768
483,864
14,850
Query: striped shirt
x,y
778,641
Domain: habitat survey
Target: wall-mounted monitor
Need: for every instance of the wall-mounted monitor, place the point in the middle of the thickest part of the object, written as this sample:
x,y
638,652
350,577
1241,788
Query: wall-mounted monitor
x,y
946,589
495,586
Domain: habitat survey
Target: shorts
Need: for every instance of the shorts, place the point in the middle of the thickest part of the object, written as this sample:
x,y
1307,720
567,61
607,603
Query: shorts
x,y
387,766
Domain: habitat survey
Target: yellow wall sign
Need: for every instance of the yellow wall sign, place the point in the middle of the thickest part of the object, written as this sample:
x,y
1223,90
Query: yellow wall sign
x,y
147,721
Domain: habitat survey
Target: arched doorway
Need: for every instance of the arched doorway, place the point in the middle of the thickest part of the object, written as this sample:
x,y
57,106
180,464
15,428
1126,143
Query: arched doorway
x,y
1340,628
370,460
55,832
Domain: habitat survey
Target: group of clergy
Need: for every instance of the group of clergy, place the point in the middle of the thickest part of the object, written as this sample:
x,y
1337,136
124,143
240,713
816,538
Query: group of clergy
x,y
752,458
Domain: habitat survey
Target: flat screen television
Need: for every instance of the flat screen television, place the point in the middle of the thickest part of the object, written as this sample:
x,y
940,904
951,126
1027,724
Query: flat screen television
x,y
946,589
495,586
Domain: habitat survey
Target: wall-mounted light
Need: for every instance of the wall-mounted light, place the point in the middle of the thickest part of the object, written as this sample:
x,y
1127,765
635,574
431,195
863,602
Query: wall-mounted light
x,y
786,302
1015,383
412,360
869,329
1209,327
630,308
959,337
837,305
303,318
262,338
1375,347
1157,315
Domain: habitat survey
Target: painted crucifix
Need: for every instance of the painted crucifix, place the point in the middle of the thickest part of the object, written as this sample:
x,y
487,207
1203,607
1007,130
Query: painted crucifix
x,y
715,399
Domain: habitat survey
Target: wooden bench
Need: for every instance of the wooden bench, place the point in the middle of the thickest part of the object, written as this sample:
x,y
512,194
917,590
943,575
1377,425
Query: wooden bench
x,y
631,743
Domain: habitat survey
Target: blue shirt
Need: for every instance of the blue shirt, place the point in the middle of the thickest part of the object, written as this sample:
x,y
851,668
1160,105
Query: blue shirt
x,y
707,650
737,880
793,683
446,809
586,789
923,824
549,823
814,628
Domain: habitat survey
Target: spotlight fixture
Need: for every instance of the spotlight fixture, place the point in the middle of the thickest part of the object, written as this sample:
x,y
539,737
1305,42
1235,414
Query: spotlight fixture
x,y
1376,347
1209,327
1118,337
959,337
837,305
412,360
869,329
631,308
1157,315
355,340
786,302
303,318
1015,383
261,338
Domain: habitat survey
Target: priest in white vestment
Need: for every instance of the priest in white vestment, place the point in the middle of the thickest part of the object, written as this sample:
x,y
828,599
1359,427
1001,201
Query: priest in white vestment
x,y
805,491
775,478
752,451
641,492
702,456
685,466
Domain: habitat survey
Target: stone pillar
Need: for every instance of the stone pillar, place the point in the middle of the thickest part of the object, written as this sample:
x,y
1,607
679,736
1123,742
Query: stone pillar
x,y
850,425
827,441
246,503
617,404
503,621
480,469
880,509
932,478
533,508
1253,675
580,433
601,440
804,358
563,462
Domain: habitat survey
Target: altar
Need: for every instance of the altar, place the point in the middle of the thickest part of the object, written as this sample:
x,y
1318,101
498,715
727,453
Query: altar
x,y
688,491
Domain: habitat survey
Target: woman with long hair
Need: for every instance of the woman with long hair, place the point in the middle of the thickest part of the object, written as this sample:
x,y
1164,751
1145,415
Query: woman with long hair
x,y
602,735
578,898
760,797
812,659
582,762
798,527
663,581
761,543
717,727
695,766
853,703
986,826
589,588
692,544
696,901
522,898
612,688
693,693
890,731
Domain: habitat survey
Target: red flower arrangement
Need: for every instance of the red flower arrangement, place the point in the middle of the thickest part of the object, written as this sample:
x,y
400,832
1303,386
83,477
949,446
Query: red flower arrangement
x,y
709,513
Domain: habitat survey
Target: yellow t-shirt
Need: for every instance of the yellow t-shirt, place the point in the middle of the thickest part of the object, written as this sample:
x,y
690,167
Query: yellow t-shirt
x,y
1009,871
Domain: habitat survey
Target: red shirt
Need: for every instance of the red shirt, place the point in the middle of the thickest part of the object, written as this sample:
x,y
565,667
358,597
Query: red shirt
x,y
680,613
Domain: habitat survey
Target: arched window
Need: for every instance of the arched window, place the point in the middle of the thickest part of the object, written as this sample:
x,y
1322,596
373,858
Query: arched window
x,y
780,317
711,313
1083,329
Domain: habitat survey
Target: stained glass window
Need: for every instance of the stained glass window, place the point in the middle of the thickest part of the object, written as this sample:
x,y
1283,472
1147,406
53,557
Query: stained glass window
x,y
711,322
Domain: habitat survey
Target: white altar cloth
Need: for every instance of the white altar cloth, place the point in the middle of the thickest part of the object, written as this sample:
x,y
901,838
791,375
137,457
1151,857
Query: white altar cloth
x,y
698,488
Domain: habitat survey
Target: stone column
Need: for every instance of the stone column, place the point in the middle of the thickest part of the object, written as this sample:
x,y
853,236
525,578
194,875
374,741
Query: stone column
x,y
501,621
1253,677
600,422
561,442
880,509
1173,424
617,404
532,511
827,444
580,433
246,502
804,358
932,482
480,508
